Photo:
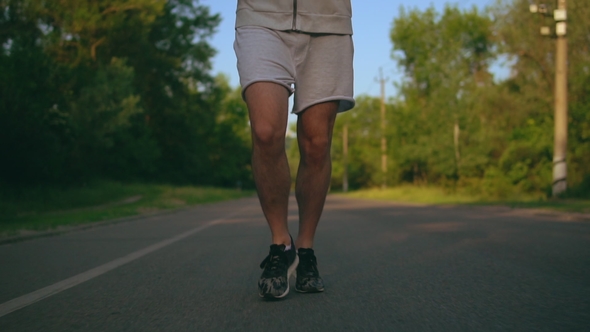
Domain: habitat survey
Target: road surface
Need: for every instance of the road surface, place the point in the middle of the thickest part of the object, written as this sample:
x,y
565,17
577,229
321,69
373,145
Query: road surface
x,y
387,267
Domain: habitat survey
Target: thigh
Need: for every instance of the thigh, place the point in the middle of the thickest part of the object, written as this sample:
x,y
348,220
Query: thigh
x,y
268,107
316,124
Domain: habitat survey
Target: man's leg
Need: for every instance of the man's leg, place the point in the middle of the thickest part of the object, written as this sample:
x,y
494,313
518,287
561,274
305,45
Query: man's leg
x,y
268,108
314,135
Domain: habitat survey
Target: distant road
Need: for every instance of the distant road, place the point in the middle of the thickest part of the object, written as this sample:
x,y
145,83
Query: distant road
x,y
386,267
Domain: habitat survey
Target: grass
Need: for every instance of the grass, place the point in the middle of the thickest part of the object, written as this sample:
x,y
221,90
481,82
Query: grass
x,y
43,208
437,196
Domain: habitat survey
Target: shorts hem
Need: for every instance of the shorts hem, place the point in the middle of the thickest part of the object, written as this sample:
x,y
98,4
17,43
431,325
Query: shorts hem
x,y
287,86
345,104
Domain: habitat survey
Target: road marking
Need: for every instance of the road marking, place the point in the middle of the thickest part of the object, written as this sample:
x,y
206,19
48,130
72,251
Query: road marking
x,y
43,293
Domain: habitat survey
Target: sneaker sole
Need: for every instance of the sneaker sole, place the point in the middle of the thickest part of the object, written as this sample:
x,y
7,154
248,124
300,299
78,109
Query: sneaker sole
x,y
317,290
290,271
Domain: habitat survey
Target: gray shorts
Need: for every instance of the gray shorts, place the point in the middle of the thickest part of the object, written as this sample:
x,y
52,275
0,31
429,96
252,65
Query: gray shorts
x,y
316,67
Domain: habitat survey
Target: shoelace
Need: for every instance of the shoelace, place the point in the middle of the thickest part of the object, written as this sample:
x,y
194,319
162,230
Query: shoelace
x,y
272,260
308,264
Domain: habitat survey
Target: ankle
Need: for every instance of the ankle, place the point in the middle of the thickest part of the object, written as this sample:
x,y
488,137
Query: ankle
x,y
304,244
286,240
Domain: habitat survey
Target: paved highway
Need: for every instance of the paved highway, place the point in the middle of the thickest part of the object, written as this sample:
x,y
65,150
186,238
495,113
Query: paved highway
x,y
387,267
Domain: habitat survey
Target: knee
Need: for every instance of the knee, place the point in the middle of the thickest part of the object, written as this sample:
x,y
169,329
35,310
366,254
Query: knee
x,y
315,150
267,137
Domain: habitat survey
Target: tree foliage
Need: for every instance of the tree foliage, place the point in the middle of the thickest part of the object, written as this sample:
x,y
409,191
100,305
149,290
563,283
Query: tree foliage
x,y
116,89
454,124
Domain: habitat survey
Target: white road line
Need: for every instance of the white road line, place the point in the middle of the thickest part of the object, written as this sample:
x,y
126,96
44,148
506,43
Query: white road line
x,y
43,293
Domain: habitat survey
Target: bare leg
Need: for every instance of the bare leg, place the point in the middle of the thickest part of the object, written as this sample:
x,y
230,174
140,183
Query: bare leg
x,y
314,135
268,108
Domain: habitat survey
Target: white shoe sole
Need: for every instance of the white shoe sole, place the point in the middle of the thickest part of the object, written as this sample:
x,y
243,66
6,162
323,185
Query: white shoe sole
x,y
290,272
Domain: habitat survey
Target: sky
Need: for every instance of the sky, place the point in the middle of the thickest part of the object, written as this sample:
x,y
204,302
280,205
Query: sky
x,y
371,20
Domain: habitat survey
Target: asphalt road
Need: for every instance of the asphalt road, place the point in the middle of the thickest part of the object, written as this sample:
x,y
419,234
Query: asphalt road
x,y
386,267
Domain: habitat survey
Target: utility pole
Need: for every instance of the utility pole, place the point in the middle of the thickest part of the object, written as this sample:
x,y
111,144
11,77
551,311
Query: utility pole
x,y
560,147
561,93
382,81
456,133
345,157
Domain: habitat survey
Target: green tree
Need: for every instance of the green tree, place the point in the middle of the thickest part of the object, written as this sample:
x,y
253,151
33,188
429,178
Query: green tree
x,y
34,131
531,88
445,58
117,89
494,137
363,124
230,142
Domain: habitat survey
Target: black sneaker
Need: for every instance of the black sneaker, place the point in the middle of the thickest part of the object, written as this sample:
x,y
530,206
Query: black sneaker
x,y
308,276
278,267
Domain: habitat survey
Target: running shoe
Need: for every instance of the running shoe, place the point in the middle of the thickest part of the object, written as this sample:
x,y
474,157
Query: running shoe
x,y
308,276
278,267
